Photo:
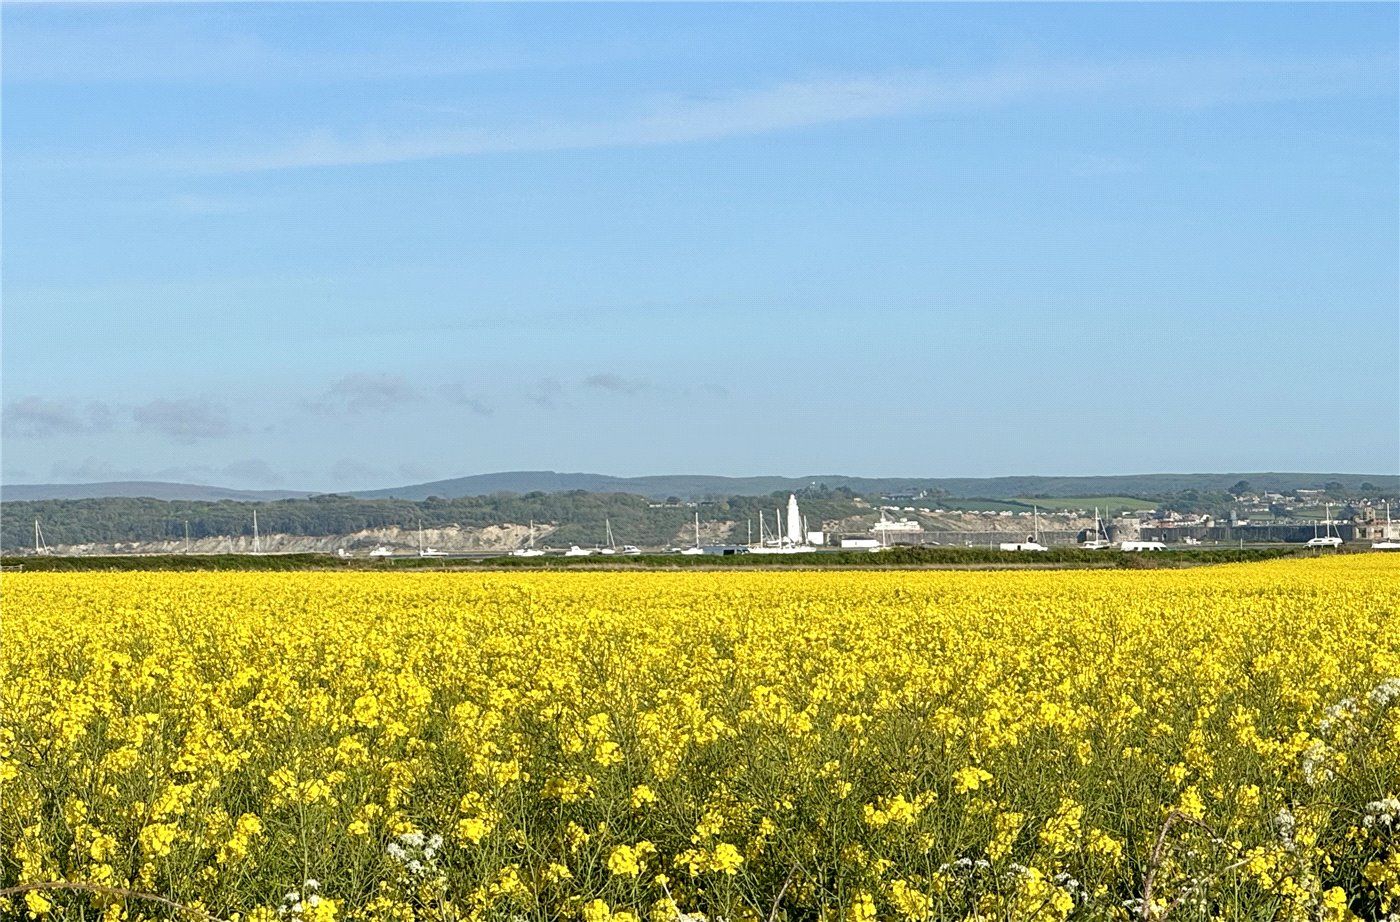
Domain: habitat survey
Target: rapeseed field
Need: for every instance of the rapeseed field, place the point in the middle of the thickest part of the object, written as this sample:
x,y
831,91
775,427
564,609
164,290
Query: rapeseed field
x,y
1218,743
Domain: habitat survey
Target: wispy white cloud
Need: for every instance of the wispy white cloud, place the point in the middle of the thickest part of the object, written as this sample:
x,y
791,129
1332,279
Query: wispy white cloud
x,y
204,205
254,471
249,473
456,392
94,470
680,119
547,393
366,393
356,470
1096,165
210,45
186,420
615,383
35,417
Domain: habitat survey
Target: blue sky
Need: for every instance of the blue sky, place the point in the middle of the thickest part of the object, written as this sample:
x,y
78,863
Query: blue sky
x,y
335,246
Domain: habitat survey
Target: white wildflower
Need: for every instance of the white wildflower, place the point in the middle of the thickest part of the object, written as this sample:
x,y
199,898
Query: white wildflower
x,y
1284,824
294,903
1383,813
1384,693
1317,763
1339,713
1071,886
1135,909
416,854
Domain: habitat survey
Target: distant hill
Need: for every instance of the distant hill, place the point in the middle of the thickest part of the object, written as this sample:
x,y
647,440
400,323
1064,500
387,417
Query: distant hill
x,y
1155,484
581,508
685,486
699,486
29,492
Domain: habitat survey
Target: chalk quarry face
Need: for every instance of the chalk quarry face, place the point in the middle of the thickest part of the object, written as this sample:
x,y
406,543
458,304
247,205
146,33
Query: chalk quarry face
x,y
507,537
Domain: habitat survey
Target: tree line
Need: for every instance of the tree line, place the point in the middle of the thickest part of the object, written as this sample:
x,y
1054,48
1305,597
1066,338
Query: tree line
x,y
575,517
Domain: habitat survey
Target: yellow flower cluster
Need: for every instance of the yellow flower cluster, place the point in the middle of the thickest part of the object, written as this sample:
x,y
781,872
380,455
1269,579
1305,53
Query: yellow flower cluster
x,y
707,745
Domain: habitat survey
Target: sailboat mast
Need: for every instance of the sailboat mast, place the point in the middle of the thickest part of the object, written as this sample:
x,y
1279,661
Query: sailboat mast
x,y
697,529
257,543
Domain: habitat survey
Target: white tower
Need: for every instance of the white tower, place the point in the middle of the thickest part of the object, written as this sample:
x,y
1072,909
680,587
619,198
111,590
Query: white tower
x,y
794,522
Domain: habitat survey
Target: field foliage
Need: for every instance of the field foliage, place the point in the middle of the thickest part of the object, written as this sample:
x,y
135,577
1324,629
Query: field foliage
x,y
1214,743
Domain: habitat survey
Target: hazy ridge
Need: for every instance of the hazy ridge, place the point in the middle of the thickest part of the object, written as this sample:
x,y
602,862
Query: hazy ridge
x,y
698,486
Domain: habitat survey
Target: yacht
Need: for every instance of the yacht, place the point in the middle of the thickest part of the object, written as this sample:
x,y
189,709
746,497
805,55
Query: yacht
x,y
1327,539
423,550
611,547
530,550
793,542
1032,542
1099,542
697,549
1387,543
627,550
40,545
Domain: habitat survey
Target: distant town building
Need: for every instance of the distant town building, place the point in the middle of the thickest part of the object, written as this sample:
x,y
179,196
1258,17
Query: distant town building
x,y
903,526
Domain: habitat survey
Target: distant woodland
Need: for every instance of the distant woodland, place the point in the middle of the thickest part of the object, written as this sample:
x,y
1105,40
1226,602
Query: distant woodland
x,y
580,517
573,516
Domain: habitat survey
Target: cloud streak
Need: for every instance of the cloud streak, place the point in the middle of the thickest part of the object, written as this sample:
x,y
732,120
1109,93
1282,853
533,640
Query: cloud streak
x,y
615,383
35,417
455,392
252,471
187,421
366,393
104,48
679,119
548,393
